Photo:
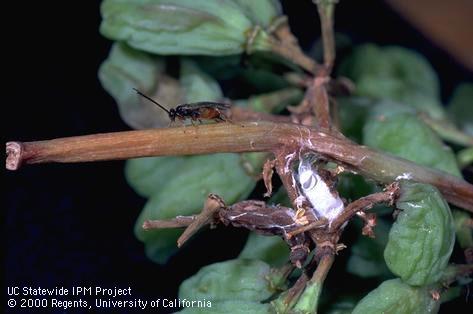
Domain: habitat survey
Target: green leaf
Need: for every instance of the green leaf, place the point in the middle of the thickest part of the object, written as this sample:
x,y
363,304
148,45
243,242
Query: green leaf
x,y
239,279
422,237
460,107
179,186
367,259
148,175
229,306
125,69
183,27
261,12
198,85
395,73
395,297
395,130
272,250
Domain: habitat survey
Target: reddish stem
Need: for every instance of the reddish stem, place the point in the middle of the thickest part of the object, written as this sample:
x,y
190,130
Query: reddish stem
x,y
237,138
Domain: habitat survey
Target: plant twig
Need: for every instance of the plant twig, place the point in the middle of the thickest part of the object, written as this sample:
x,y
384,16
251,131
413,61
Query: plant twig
x,y
178,222
212,205
465,157
237,138
326,9
309,299
364,203
313,225
318,97
454,272
296,55
323,268
448,131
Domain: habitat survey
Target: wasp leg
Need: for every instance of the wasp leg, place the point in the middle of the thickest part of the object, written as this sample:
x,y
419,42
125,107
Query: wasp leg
x,y
222,118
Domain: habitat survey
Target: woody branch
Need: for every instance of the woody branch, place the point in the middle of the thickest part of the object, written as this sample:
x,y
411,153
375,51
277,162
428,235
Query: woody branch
x,y
237,138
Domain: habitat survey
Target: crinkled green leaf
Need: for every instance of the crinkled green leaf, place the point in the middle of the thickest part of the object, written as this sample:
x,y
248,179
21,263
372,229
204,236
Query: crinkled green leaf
x,y
207,27
395,73
198,85
407,68
460,107
272,250
148,175
388,108
367,259
179,186
395,297
230,306
125,69
422,237
261,12
238,279
395,130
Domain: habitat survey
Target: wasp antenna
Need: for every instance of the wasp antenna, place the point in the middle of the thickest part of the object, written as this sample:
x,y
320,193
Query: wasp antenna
x,y
150,99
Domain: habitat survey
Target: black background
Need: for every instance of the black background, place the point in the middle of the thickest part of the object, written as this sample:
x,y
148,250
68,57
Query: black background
x,y
69,225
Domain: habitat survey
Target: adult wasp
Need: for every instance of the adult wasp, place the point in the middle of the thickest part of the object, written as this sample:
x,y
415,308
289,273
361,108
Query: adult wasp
x,y
203,110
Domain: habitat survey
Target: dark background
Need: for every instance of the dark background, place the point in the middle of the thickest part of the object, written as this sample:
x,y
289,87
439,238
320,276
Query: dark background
x,y
70,225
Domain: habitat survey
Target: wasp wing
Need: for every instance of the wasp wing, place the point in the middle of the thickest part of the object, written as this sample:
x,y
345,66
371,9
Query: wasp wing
x,y
206,104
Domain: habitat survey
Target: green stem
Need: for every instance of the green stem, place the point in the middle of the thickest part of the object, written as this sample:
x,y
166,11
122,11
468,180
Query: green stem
x,y
465,157
308,301
448,131
326,10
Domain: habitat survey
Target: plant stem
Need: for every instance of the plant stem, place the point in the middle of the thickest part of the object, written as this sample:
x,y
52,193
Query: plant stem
x,y
309,299
296,55
448,131
365,203
465,157
318,98
454,272
178,222
326,9
237,137
323,268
